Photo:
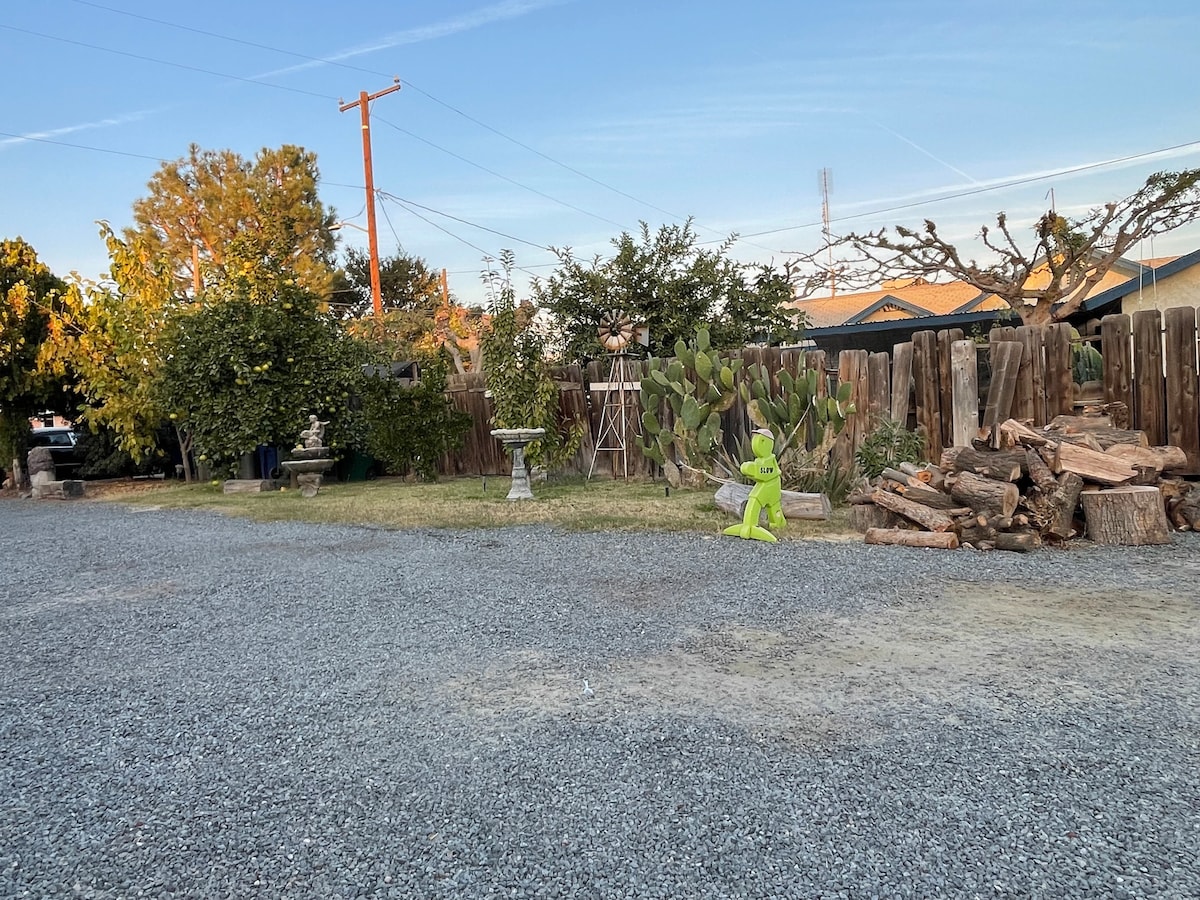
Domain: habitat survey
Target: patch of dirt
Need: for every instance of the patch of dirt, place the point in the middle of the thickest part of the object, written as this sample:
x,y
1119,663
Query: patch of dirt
x,y
829,678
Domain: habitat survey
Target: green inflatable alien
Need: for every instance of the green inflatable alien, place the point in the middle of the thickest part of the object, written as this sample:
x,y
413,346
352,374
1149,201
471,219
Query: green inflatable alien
x,y
766,493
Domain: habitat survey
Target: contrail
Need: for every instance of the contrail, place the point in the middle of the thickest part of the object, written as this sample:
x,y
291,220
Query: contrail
x,y
83,126
921,149
508,9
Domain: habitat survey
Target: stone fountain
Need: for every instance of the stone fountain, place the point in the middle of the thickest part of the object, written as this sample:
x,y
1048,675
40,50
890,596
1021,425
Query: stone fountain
x,y
310,458
514,440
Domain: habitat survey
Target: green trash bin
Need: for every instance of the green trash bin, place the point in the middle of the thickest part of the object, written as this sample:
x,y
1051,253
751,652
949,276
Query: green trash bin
x,y
357,466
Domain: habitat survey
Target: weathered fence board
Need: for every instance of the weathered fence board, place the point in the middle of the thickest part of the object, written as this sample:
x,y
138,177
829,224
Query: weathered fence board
x,y
945,380
925,379
853,370
1183,414
964,393
1006,367
1030,399
1117,352
902,383
1060,392
1149,384
879,389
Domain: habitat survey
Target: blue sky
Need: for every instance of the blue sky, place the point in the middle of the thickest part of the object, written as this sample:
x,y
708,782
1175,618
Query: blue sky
x,y
564,122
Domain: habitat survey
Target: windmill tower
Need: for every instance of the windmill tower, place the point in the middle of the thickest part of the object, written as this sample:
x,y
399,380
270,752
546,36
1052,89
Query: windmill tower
x,y
620,391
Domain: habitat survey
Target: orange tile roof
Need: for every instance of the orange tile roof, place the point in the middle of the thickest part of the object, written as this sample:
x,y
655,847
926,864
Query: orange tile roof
x,y
917,298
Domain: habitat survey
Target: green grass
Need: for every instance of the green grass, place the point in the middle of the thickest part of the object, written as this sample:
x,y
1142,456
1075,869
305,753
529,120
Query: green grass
x,y
573,504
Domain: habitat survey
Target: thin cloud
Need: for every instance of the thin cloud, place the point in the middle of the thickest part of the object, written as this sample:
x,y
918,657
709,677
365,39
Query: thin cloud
x,y
1075,171
498,12
72,129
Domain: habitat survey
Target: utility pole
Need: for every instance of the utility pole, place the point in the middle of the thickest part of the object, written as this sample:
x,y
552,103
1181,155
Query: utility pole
x,y
373,241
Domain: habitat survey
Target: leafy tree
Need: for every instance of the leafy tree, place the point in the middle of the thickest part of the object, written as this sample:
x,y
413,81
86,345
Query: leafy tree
x,y
242,373
242,218
517,372
107,335
670,284
409,427
28,292
1049,279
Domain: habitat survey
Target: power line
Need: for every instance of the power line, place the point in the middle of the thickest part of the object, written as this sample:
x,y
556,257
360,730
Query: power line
x,y
165,62
462,240
503,177
454,109
1015,182
41,140
436,212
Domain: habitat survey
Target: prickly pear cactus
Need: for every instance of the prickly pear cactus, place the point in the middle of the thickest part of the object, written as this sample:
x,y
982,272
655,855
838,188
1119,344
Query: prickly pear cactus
x,y
797,414
696,387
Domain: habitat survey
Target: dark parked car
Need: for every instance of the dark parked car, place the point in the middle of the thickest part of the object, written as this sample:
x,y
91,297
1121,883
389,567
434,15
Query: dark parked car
x,y
63,444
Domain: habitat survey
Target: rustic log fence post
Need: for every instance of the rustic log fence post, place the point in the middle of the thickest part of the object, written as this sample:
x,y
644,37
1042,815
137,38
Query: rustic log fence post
x,y
1183,414
1149,412
964,393
925,379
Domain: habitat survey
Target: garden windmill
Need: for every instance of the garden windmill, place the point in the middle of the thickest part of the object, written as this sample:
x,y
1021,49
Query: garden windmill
x,y
620,391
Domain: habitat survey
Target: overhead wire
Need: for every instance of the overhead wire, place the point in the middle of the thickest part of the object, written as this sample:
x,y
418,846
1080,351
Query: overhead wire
x,y
164,62
409,84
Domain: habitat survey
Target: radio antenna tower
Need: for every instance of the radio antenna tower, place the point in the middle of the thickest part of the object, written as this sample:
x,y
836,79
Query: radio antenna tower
x,y
825,179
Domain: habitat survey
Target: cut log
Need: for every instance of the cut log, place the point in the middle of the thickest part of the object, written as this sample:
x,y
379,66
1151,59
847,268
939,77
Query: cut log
x,y
916,512
1039,472
1058,507
931,498
921,473
1013,432
944,540
867,516
1018,541
1127,516
901,477
977,534
1090,465
986,494
732,498
1080,423
1003,465
1102,439
1162,459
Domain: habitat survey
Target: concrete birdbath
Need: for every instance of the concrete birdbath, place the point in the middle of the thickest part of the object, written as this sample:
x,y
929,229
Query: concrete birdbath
x,y
514,440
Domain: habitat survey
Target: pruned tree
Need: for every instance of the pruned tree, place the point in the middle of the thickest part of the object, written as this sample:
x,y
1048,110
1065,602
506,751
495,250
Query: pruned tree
x,y
221,217
1043,281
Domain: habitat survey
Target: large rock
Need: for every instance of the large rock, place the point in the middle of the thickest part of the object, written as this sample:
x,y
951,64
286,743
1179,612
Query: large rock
x,y
40,465
57,490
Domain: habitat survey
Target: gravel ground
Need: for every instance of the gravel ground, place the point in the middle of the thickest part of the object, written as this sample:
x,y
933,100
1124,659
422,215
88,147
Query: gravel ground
x,y
192,705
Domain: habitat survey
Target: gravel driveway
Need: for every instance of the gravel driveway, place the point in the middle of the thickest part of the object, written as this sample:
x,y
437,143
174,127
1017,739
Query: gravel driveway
x,y
192,705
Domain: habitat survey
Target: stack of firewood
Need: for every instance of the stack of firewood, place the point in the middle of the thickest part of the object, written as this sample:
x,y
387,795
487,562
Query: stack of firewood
x,y
1018,488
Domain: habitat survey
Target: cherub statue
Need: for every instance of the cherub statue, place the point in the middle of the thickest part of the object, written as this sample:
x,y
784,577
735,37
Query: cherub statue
x,y
313,435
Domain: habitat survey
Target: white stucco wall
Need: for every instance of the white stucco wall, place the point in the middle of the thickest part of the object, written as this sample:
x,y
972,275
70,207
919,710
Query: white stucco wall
x,y
1180,289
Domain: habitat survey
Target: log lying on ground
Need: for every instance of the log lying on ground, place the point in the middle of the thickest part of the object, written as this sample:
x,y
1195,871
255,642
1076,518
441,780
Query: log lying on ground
x,y
986,494
1131,516
923,515
732,497
936,540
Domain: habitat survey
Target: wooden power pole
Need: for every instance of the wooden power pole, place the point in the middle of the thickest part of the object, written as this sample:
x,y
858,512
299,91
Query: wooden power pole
x,y
372,239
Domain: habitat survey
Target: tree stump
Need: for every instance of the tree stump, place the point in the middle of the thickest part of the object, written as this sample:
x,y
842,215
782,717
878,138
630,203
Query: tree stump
x,y
1130,516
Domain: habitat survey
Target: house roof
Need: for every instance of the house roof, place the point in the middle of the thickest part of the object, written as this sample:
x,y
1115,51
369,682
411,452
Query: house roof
x,y
918,299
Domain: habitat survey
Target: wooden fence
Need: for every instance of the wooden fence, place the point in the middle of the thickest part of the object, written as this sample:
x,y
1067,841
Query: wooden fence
x,y
941,383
